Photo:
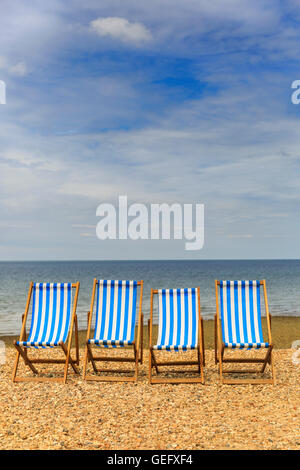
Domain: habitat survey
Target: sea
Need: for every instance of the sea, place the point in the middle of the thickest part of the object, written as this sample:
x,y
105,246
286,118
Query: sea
x,y
282,280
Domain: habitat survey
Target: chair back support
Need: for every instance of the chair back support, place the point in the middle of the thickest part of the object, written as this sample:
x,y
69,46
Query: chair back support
x,y
241,314
178,319
115,312
51,313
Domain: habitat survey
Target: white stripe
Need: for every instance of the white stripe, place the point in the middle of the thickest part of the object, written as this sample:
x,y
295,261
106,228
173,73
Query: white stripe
x,y
225,312
167,317
36,308
42,322
99,309
240,304
255,312
250,339
130,312
64,314
182,316
108,293
57,312
190,324
232,306
114,325
197,310
175,316
122,320
50,316
160,316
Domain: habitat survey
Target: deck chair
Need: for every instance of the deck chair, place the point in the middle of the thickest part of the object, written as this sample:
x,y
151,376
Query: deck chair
x,y
115,319
52,321
240,327
180,328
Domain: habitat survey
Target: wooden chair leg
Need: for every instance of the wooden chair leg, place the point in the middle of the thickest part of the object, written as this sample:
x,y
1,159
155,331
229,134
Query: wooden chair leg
x,y
203,349
272,367
16,366
85,361
216,342
200,365
199,360
136,355
142,340
220,359
153,361
91,358
76,341
69,360
25,357
267,360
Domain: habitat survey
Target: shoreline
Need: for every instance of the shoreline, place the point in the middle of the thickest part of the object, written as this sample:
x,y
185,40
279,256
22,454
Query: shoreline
x,y
285,330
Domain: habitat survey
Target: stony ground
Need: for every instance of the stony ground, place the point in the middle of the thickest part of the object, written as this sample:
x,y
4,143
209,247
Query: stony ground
x,y
95,415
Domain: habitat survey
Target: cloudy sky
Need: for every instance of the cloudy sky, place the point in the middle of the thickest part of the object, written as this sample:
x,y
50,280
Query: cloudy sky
x,y
162,101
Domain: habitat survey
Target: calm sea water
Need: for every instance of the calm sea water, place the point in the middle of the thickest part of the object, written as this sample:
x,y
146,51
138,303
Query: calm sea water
x,y
282,276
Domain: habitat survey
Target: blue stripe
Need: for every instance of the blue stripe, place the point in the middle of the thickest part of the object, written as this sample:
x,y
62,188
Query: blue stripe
x,y
178,316
40,287
222,311
171,297
97,309
119,310
251,312
61,310
244,312
46,319
259,312
133,311
164,319
186,318
33,314
68,315
103,309
111,309
126,310
194,317
229,313
50,340
236,306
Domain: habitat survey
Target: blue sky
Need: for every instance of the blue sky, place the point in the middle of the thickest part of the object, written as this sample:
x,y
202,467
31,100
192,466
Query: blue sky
x,y
169,101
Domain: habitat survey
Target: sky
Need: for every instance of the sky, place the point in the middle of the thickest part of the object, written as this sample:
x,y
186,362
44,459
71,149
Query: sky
x,y
164,102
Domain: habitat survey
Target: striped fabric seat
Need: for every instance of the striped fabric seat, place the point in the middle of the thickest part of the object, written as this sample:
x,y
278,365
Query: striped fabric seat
x,y
115,313
178,319
241,314
51,314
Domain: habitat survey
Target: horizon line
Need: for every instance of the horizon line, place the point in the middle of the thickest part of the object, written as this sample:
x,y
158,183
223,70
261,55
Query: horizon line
x,y
142,260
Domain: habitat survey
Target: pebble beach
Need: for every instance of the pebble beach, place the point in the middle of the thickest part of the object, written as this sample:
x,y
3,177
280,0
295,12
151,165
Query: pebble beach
x,y
112,416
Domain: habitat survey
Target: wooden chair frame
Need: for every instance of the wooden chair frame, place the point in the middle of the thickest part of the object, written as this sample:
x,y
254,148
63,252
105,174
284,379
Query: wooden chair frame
x,y
220,350
66,347
200,362
137,347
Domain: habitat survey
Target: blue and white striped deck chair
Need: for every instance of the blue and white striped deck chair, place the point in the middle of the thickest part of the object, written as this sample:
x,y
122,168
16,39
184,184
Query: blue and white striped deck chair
x,y
180,328
52,320
115,305
240,327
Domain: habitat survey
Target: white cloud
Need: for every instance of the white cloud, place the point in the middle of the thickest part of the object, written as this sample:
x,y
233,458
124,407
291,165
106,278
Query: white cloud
x,y
19,69
2,62
87,234
122,29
